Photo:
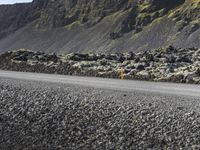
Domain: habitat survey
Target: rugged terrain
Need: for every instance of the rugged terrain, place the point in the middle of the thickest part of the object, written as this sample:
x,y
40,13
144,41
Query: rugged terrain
x,y
43,116
165,64
99,26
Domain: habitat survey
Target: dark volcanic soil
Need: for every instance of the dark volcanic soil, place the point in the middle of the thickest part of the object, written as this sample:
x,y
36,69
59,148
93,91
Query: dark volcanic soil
x,y
47,116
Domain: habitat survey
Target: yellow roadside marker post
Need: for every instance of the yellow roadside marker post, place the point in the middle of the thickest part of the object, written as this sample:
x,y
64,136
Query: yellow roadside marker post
x,y
121,74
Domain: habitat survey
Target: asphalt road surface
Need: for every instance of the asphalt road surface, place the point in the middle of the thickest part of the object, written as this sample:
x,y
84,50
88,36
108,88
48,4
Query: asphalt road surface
x,y
115,84
55,112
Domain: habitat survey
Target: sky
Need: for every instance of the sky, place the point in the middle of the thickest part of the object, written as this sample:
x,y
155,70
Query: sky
x,y
13,1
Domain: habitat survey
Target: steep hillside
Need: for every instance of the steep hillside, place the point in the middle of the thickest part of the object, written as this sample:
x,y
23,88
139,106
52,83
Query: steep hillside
x,y
93,25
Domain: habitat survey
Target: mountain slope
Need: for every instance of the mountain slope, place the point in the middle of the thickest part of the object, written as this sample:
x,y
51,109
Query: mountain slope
x,y
92,25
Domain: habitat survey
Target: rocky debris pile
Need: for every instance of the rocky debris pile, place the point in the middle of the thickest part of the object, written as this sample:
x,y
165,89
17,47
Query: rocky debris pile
x,y
164,64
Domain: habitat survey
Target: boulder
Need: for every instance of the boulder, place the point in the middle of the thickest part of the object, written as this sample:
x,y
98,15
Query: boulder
x,y
139,66
183,58
129,56
52,57
79,57
197,72
145,75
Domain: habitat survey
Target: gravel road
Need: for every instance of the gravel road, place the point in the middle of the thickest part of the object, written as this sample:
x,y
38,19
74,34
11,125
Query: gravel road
x,y
55,116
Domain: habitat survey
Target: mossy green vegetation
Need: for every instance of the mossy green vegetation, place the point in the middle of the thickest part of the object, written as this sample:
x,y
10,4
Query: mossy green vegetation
x,y
70,26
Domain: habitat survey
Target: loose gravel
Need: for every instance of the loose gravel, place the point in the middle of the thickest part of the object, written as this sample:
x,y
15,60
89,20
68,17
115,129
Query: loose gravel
x,y
47,116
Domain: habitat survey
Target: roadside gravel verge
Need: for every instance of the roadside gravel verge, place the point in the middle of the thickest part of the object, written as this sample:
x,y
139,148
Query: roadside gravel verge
x,y
35,115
